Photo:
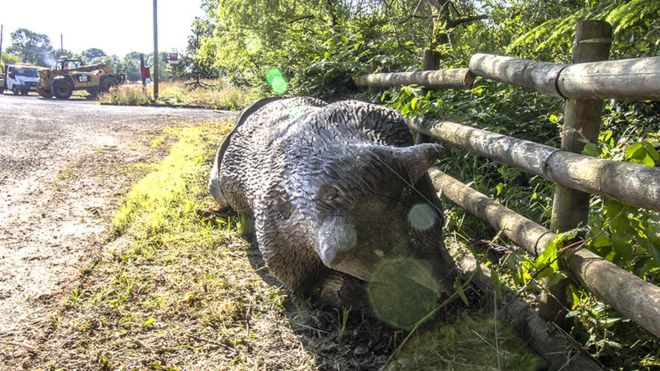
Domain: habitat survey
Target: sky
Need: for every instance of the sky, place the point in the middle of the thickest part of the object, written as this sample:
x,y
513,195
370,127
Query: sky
x,y
115,26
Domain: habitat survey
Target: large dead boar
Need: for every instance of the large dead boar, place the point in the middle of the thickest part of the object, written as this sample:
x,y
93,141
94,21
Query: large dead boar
x,y
340,199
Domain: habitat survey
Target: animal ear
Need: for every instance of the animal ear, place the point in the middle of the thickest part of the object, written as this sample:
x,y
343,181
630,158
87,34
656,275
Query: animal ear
x,y
417,159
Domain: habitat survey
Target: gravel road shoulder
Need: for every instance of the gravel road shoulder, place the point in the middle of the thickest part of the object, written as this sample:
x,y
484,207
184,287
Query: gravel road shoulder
x,y
63,169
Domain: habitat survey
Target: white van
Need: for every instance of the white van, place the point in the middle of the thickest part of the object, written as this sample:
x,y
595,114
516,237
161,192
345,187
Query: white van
x,y
21,78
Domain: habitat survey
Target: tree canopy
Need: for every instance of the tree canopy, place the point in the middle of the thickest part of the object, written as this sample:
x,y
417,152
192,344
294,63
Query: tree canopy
x,y
91,54
32,47
319,45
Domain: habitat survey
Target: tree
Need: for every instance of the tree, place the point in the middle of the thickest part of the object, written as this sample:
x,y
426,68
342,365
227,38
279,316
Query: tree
x,y
8,59
164,68
32,47
131,65
317,46
201,64
91,54
115,62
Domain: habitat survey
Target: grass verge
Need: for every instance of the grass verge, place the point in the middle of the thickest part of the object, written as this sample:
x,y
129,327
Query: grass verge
x,y
176,286
211,94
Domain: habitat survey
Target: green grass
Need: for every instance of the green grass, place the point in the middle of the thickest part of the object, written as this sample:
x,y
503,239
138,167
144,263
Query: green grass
x,y
472,343
164,195
133,95
212,94
176,276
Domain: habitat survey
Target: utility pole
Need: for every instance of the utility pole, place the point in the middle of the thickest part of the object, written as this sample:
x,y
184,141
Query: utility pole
x,y
2,29
155,77
61,44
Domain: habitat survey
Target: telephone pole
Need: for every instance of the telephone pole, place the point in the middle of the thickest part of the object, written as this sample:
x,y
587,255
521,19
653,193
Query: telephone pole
x,y
61,44
155,78
2,29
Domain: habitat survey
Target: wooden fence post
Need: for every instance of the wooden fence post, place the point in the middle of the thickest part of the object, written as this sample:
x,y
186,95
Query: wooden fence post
x,y
570,208
431,61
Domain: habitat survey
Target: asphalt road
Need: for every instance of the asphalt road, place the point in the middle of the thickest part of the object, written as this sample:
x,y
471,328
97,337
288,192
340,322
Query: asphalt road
x,y
59,164
33,129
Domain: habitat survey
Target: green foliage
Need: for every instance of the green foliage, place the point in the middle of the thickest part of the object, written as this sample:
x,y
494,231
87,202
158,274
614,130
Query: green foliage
x,y
547,264
317,47
200,56
31,46
634,22
625,235
91,54
131,66
8,59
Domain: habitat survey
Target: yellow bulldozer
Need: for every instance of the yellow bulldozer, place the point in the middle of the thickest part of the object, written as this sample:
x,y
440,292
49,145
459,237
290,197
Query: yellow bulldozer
x,y
72,74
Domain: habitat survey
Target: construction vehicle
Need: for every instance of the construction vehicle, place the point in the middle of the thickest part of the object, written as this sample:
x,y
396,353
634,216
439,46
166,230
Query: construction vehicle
x,y
72,74
20,78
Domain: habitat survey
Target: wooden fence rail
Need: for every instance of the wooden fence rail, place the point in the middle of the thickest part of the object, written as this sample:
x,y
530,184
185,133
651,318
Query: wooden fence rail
x,y
460,78
640,187
583,84
621,79
625,292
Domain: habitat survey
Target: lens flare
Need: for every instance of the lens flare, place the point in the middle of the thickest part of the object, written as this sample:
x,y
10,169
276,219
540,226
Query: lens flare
x,y
398,294
422,217
276,80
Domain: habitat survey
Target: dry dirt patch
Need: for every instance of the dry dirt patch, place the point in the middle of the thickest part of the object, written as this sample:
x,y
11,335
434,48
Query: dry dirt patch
x,y
51,225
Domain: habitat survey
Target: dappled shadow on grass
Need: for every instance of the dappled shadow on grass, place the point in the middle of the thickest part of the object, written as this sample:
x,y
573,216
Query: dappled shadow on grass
x,y
334,338
461,336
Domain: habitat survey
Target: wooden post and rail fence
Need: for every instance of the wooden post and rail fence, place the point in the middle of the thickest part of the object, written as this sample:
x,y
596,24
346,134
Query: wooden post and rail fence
x,y
583,85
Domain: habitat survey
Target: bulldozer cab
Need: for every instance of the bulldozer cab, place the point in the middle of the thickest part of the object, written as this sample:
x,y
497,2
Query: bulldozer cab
x,y
68,64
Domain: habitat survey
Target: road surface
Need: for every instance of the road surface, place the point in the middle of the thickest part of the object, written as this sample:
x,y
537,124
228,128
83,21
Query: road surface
x,y
62,172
